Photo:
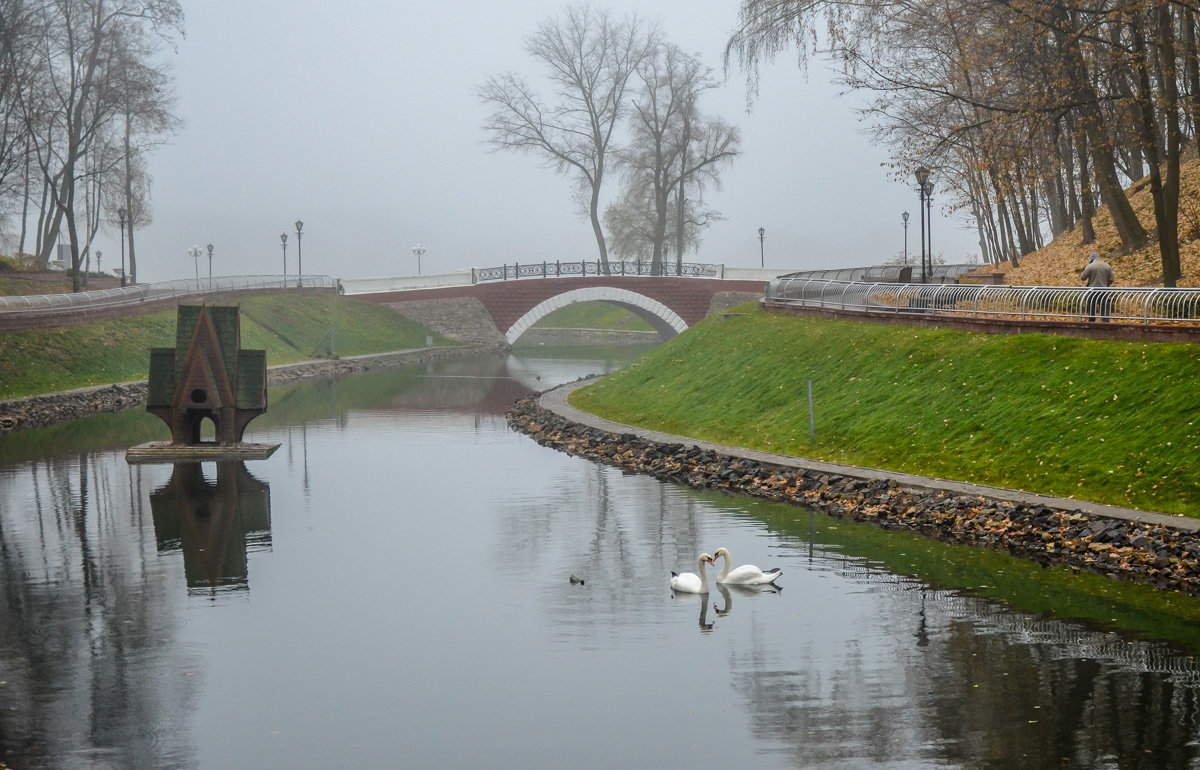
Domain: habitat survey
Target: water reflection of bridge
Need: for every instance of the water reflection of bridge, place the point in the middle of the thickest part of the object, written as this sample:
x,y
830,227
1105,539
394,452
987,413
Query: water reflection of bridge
x,y
485,385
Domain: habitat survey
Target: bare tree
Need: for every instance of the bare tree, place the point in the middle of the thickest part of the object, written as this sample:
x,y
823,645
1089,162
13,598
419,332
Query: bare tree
x,y
147,118
588,58
81,97
673,149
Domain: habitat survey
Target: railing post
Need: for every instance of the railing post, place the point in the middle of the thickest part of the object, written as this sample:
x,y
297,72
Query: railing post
x,y
543,268
557,268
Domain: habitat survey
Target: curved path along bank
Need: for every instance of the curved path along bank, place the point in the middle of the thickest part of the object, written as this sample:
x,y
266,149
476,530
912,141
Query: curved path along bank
x,y
1123,543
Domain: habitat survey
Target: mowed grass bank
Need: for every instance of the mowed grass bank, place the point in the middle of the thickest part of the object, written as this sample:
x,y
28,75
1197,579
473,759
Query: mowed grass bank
x,y
593,315
1112,422
289,328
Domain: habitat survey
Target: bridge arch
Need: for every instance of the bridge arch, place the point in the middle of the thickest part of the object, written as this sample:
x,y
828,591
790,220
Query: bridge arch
x,y
663,319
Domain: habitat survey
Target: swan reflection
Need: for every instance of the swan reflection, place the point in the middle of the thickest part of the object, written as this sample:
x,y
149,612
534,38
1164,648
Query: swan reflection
x,y
213,524
727,592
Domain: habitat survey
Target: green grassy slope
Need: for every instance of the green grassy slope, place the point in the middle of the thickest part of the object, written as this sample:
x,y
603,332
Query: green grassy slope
x,y
1099,420
288,328
593,315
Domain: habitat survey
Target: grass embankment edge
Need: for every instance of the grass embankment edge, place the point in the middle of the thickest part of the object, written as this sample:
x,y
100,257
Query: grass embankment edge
x,y
1100,420
289,328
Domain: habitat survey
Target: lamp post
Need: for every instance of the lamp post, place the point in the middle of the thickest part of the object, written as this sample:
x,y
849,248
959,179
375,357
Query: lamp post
x,y
904,216
922,175
194,253
283,243
418,251
299,256
210,250
121,217
761,259
99,254
929,222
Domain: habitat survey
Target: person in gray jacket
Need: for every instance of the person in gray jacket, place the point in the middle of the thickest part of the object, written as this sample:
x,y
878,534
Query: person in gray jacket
x,y
1097,274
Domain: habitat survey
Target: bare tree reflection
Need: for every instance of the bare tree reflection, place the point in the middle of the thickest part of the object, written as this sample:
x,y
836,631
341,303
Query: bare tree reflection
x,y
214,524
89,667
982,686
621,537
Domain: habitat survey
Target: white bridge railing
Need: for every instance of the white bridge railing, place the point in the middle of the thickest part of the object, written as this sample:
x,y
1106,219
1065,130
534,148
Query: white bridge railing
x,y
142,292
1076,303
475,275
559,269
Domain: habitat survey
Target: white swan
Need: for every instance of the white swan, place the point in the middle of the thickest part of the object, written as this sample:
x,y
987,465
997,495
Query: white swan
x,y
745,575
690,582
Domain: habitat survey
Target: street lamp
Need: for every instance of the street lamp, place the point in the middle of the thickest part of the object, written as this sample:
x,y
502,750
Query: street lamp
x,y
195,253
121,217
929,222
98,255
905,217
299,256
761,258
922,175
210,248
418,251
283,243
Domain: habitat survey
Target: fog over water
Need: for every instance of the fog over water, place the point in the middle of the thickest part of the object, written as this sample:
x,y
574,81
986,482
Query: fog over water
x,y
361,119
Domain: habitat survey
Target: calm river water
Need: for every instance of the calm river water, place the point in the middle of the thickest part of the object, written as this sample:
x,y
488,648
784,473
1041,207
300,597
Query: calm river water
x,y
392,590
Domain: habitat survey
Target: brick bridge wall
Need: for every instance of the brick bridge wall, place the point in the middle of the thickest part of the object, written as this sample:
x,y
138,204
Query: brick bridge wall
x,y
508,301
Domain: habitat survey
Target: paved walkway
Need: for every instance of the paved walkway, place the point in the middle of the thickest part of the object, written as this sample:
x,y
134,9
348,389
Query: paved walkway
x,y
556,401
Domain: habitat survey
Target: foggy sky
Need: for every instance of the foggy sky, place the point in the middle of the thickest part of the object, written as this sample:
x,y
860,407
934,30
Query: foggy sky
x,y
361,118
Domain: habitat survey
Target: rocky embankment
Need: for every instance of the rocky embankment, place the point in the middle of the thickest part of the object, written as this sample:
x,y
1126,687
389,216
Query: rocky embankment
x,y
1164,557
54,408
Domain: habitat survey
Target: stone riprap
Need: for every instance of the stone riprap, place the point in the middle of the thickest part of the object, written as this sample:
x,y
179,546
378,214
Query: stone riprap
x,y
55,408
1162,556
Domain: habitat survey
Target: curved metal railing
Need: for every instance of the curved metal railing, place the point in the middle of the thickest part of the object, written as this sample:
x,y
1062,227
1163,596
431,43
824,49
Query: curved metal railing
x,y
888,273
593,267
142,292
1077,303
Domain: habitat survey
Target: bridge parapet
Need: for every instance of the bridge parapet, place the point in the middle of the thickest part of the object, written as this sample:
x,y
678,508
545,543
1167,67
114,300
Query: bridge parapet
x,y
558,269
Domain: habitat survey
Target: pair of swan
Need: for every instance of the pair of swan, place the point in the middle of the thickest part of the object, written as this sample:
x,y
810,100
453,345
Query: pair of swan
x,y
745,575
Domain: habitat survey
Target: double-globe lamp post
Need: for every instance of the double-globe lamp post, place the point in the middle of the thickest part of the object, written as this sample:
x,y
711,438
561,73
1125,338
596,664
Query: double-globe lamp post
x,y
195,253
924,191
418,252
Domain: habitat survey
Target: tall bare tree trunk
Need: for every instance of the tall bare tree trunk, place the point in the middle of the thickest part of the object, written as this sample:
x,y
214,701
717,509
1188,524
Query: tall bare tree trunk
x,y
1099,144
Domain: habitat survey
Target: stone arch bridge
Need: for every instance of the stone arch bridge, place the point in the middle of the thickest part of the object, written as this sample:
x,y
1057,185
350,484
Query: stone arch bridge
x,y
497,312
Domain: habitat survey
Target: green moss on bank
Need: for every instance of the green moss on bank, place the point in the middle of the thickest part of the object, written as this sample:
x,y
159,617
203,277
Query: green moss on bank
x,y
289,328
1108,421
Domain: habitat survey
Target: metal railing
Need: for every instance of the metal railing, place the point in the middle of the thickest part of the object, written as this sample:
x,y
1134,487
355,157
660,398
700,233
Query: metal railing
x,y
1076,303
889,273
593,267
142,292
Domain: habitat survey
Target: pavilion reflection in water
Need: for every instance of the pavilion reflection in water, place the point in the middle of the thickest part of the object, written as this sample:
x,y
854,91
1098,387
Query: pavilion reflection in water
x,y
215,524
